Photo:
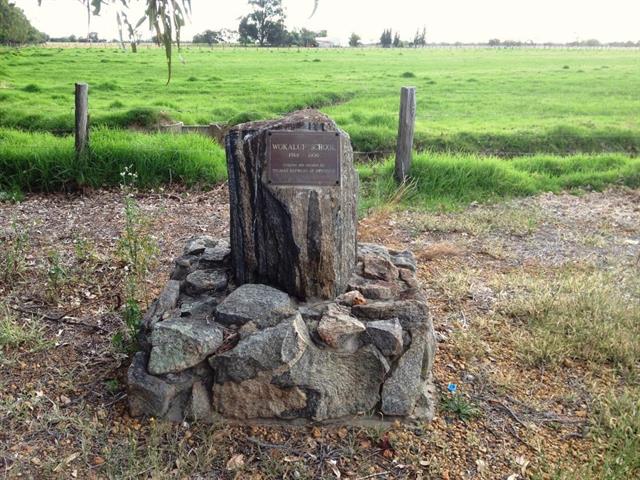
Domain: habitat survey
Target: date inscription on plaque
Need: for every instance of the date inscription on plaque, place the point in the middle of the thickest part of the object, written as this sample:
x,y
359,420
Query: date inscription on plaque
x,y
303,158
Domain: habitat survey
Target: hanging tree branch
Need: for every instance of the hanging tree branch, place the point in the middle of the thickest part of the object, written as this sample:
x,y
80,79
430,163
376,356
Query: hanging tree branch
x,y
165,17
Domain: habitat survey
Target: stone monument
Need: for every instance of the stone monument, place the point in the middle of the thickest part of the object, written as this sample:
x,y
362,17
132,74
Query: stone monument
x,y
291,318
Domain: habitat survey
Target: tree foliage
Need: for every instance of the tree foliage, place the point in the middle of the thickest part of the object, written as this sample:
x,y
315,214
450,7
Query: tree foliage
x,y
15,28
420,39
265,24
354,40
165,17
386,39
396,40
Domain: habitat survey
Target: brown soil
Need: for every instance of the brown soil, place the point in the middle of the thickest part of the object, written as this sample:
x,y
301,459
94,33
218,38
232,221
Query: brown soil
x,y
63,402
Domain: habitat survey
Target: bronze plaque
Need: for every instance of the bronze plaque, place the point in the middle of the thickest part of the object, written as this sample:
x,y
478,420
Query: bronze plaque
x,y
297,157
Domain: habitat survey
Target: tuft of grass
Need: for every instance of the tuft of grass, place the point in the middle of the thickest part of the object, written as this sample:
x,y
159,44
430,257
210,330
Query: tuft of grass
x,y
451,180
460,406
34,162
18,334
616,428
579,314
408,75
32,88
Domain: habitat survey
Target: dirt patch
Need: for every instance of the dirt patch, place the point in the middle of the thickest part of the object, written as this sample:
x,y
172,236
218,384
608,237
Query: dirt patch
x,y
62,396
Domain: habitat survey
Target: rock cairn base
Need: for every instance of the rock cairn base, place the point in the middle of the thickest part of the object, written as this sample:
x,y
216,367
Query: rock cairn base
x,y
213,351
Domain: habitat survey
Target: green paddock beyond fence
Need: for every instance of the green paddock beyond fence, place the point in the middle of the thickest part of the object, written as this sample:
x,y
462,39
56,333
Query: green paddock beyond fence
x,y
41,162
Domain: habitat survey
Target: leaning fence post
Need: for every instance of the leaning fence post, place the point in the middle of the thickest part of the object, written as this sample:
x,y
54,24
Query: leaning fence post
x,y
405,132
82,117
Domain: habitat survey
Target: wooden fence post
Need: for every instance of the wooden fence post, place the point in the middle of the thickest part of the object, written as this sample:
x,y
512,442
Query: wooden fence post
x,y
82,117
406,125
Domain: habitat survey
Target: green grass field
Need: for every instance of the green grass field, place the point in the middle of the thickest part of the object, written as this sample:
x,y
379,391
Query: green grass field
x,y
481,100
491,123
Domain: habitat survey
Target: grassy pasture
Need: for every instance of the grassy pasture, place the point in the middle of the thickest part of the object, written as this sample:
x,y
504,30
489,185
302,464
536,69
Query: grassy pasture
x,y
505,102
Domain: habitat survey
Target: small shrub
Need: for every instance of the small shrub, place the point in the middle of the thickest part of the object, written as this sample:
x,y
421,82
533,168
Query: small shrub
x,y
31,88
14,244
461,407
14,334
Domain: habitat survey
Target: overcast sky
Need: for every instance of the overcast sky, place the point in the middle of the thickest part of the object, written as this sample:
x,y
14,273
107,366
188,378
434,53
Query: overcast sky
x,y
446,20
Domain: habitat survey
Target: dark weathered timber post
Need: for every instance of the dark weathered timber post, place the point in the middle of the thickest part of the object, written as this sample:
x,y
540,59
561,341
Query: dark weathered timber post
x,y
82,117
405,132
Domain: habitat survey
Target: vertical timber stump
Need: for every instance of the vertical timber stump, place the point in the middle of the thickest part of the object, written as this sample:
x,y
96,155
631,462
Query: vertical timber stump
x,y
293,195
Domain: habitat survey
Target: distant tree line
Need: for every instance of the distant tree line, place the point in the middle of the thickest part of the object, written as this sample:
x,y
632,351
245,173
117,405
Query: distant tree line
x,y
15,28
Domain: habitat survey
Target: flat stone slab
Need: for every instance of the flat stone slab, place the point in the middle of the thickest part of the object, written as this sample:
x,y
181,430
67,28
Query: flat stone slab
x,y
264,305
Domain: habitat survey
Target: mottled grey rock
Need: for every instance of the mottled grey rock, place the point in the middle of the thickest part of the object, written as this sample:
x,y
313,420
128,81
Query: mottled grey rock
x,y
214,257
378,268
408,277
301,240
197,245
257,398
203,281
372,249
184,266
264,305
203,307
336,384
258,352
155,396
386,335
401,391
411,313
165,303
404,259
339,329
200,408
181,343
426,402
279,373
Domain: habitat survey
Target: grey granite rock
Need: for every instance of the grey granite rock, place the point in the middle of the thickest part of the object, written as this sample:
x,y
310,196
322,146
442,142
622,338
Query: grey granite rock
x,y
386,335
411,313
264,305
181,343
205,281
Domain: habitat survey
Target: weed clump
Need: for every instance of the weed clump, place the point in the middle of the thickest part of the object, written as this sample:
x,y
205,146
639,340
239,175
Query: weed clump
x,y
31,88
408,75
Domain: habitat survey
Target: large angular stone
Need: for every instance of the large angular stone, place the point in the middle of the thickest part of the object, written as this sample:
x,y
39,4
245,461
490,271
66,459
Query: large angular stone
x,y
386,335
336,384
259,352
301,239
257,398
155,396
181,343
401,391
280,373
373,289
411,313
339,330
264,305
205,281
